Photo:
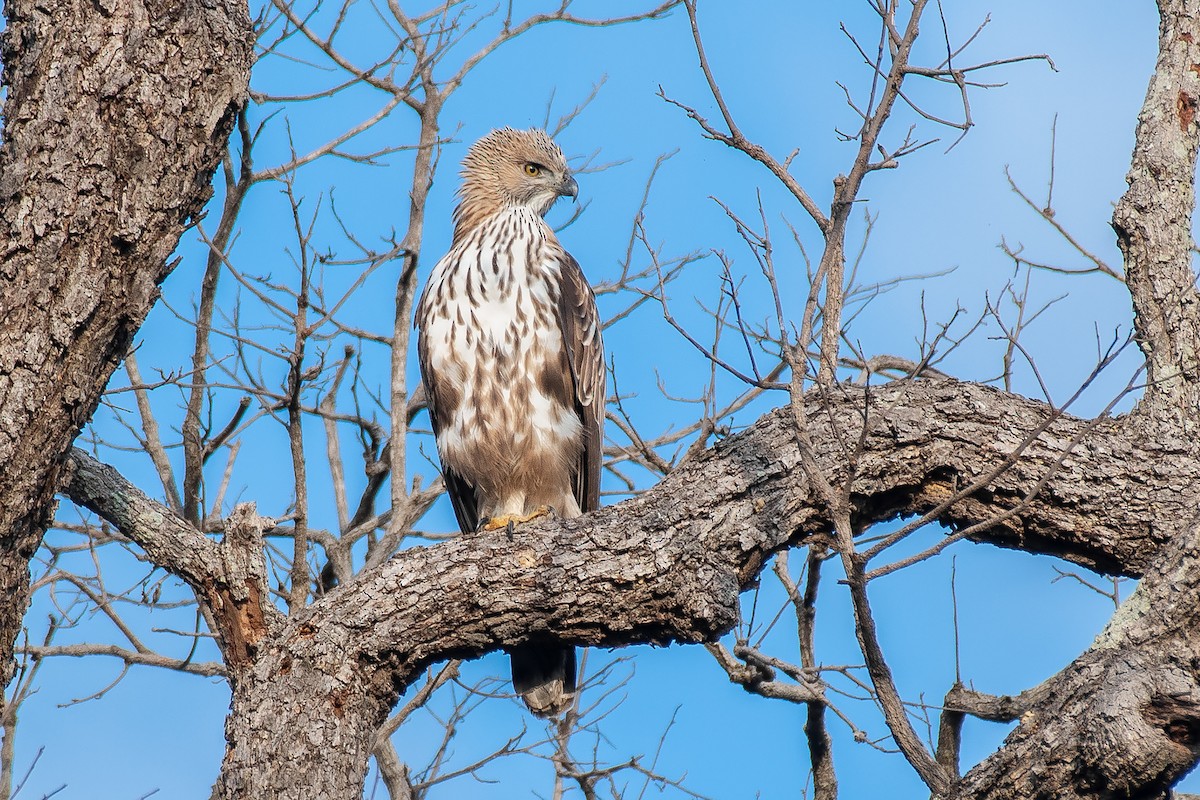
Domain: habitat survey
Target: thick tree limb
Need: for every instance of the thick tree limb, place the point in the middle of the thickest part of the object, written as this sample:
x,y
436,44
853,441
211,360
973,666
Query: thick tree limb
x,y
230,576
164,536
924,439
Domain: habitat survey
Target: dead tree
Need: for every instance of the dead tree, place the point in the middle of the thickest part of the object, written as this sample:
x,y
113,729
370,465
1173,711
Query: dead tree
x,y
312,686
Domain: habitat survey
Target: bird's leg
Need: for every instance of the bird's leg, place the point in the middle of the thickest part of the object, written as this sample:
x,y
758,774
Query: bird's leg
x,y
510,521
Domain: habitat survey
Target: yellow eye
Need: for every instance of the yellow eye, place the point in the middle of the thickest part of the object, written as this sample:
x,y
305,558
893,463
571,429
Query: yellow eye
x,y
533,170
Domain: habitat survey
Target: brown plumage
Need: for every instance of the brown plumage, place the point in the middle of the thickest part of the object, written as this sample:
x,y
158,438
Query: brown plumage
x,y
513,366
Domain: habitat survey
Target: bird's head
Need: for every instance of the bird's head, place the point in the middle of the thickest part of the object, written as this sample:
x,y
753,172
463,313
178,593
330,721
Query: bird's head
x,y
513,168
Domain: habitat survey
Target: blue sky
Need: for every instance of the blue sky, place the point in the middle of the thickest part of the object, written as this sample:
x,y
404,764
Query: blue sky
x,y
939,211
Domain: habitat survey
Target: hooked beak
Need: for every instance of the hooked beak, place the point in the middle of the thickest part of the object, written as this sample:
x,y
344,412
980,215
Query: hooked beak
x,y
568,188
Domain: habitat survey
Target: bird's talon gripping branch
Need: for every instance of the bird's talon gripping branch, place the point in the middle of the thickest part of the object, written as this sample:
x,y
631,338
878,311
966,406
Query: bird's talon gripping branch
x,y
509,522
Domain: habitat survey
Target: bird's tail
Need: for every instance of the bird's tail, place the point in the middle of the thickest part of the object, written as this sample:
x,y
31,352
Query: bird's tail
x,y
544,676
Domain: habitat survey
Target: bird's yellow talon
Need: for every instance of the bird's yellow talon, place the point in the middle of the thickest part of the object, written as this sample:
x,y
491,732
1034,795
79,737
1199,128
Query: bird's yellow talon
x,y
512,520
498,522
540,511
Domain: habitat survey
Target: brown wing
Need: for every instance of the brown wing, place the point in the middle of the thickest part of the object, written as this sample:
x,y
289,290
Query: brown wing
x,y
580,323
442,399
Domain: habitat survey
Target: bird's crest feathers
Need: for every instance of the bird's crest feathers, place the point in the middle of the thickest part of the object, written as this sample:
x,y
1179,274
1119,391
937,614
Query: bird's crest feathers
x,y
510,168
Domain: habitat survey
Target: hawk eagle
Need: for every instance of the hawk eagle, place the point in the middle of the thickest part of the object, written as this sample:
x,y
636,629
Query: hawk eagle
x,y
513,366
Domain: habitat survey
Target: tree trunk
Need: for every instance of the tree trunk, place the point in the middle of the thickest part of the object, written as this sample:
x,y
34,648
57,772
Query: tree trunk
x,y
117,114
1153,222
302,728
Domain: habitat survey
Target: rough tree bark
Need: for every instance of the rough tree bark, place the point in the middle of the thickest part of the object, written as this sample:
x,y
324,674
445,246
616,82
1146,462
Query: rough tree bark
x,y
1153,220
1123,720
117,113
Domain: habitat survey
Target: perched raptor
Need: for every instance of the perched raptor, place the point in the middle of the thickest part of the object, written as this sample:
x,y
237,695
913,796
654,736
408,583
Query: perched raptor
x,y
513,365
